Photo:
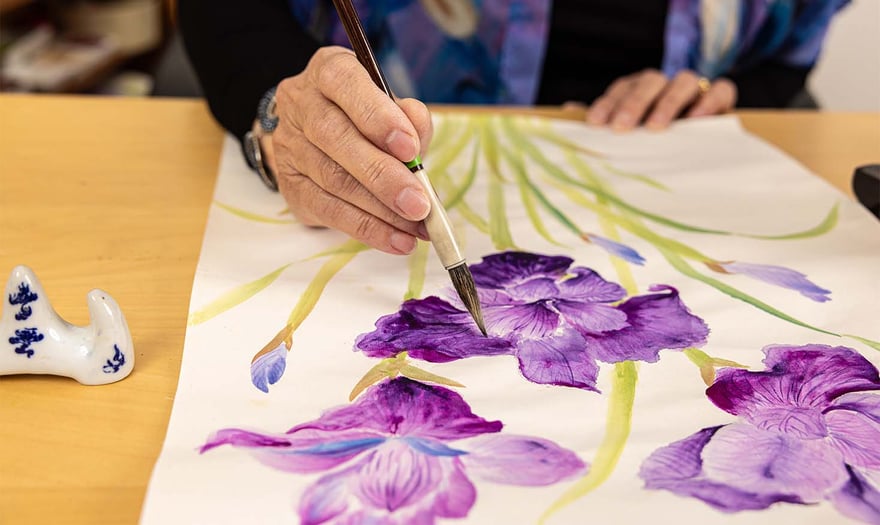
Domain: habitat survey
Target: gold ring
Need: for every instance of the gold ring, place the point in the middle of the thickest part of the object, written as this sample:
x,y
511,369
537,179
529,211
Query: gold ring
x,y
704,84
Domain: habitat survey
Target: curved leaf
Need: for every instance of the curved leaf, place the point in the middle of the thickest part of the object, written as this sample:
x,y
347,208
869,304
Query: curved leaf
x,y
244,214
418,262
234,297
618,422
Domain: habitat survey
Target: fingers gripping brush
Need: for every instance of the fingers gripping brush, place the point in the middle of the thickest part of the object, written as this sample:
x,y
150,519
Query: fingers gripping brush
x,y
437,222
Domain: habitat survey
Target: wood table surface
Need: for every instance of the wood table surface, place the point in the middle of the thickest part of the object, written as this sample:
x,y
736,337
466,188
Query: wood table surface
x,y
114,194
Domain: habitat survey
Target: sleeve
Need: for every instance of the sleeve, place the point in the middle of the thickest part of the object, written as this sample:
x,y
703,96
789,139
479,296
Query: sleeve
x,y
780,75
769,85
240,49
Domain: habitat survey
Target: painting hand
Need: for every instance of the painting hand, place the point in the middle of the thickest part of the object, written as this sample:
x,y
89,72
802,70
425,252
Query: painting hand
x,y
339,151
650,97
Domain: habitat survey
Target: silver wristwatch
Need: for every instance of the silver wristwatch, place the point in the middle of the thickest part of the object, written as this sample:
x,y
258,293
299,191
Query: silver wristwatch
x,y
267,122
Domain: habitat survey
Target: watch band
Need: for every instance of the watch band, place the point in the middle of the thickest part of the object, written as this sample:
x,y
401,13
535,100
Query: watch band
x,y
267,122
254,155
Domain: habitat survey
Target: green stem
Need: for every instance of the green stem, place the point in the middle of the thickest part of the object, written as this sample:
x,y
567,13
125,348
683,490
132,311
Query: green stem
x,y
418,262
617,428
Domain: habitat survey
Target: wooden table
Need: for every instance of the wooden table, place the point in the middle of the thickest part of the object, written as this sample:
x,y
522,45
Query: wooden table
x,y
114,194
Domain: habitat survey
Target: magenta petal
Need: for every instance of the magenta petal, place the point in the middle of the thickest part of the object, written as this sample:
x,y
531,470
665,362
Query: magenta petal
x,y
853,422
558,360
587,285
656,322
858,498
519,460
403,407
307,451
432,330
327,499
808,376
501,270
678,468
395,476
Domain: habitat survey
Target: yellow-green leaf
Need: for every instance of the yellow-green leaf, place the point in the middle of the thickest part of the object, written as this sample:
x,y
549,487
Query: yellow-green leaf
x,y
234,297
244,214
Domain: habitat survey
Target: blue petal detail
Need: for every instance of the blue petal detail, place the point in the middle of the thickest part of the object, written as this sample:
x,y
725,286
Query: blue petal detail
x,y
268,368
615,248
340,448
432,448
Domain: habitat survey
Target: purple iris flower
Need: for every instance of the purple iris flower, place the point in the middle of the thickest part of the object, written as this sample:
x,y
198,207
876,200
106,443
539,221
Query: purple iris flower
x,y
808,430
557,320
268,368
404,452
777,276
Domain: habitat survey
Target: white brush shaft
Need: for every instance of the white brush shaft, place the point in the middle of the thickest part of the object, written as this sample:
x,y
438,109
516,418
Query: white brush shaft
x,y
438,226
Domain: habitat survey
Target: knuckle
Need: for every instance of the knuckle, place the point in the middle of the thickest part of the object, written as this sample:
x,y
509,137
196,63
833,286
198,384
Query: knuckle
x,y
364,227
325,130
334,67
686,77
652,74
336,180
375,170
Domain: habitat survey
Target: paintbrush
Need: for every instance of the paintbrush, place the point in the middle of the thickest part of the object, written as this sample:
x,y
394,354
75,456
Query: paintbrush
x,y
437,222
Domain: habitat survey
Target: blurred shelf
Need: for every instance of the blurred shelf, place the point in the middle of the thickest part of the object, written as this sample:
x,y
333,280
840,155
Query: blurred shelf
x,y
9,5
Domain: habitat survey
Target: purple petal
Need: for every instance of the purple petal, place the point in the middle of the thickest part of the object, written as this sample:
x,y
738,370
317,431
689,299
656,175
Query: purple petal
x,y
268,368
505,269
858,498
779,276
750,459
519,460
528,321
854,426
585,285
656,322
558,360
432,330
402,407
534,289
615,248
809,376
592,317
678,468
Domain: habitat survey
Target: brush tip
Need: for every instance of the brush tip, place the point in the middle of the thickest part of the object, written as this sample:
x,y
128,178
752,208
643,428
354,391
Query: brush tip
x,y
463,282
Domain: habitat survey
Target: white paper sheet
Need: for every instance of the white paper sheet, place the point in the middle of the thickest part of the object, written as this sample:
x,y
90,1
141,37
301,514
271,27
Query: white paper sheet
x,y
717,177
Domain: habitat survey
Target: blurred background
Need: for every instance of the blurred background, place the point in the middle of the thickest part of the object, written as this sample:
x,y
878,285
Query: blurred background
x,y
131,48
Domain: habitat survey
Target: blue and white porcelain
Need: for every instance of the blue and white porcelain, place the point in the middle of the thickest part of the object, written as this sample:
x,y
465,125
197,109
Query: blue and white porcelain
x,y
34,339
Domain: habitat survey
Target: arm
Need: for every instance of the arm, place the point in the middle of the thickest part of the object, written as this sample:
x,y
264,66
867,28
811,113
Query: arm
x,y
240,49
340,144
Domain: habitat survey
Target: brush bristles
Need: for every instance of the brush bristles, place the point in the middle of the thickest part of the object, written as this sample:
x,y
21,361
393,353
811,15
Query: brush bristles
x,y
463,282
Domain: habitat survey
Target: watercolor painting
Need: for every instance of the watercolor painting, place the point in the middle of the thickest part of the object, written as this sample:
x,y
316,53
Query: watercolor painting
x,y
809,430
607,320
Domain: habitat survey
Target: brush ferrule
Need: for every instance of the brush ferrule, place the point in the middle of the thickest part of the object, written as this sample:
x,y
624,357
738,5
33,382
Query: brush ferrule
x,y
439,227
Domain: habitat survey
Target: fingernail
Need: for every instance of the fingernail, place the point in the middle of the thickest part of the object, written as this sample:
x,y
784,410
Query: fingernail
x,y
402,242
413,204
401,146
656,124
623,121
423,232
596,117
